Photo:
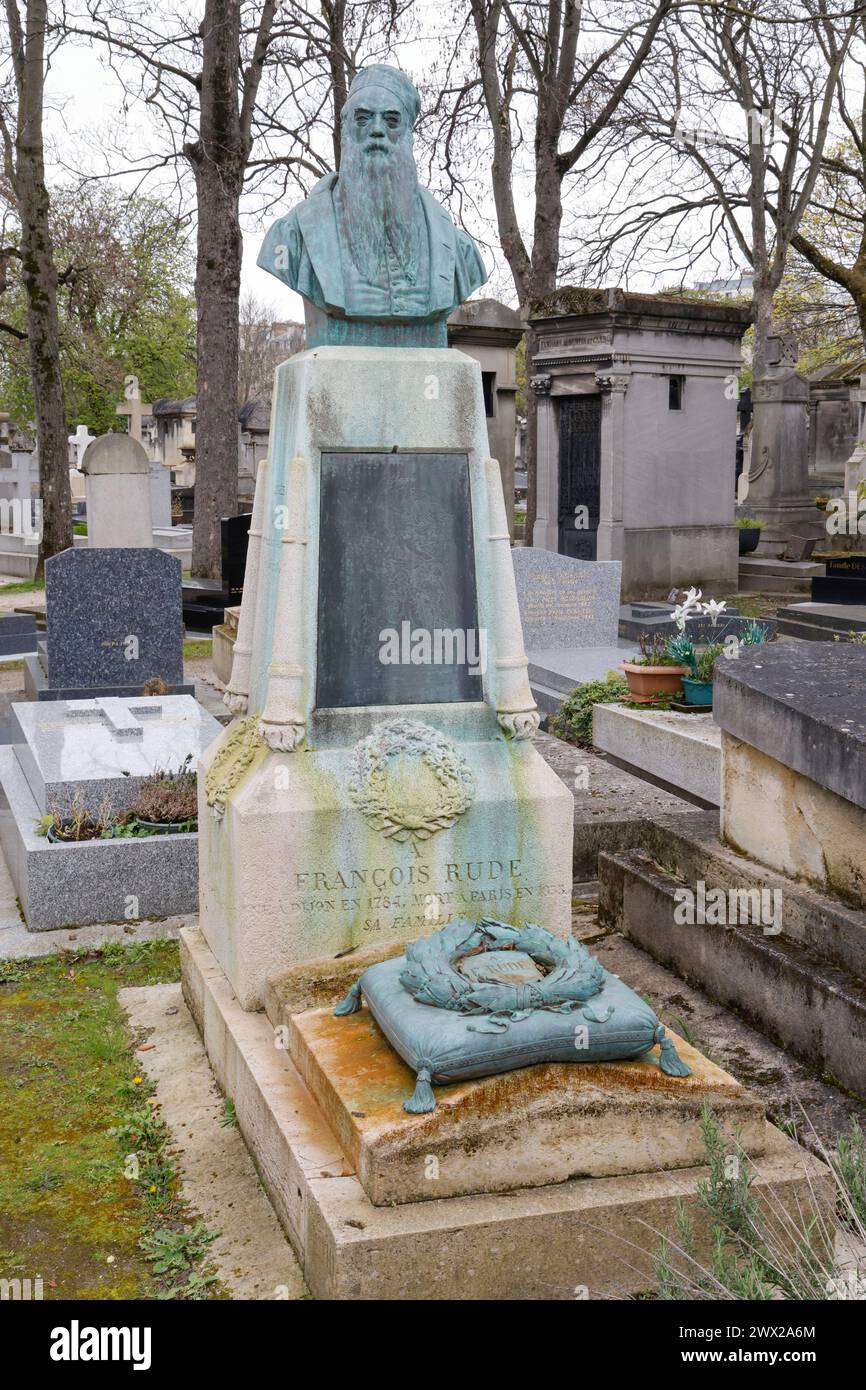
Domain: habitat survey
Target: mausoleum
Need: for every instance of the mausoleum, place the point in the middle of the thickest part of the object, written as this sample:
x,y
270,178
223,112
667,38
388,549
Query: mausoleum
x,y
637,398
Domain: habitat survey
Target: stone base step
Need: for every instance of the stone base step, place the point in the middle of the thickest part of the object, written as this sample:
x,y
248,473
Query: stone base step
x,y
787,988
821,622
518,1244
784,585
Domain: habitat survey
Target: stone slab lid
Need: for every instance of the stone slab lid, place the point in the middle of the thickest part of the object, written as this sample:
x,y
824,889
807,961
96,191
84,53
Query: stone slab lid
x,y
802,703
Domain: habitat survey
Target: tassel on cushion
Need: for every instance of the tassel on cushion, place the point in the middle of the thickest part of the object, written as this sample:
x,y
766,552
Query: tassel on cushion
x,y
422,1100
670,1061
352,1002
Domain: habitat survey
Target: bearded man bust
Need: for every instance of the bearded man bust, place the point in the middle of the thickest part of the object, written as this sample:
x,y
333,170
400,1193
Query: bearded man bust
x,y
377,260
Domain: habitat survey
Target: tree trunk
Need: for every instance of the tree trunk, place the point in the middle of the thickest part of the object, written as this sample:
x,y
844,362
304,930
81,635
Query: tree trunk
x,y
218,159
39,278
217,292
542,279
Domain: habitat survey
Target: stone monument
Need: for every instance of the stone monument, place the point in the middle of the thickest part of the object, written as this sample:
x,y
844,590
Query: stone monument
x,y
636,451
381,774
380,781
117,471
779,492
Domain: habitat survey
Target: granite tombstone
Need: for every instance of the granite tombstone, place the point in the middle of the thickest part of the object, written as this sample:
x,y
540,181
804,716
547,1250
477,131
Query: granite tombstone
x,y
113,623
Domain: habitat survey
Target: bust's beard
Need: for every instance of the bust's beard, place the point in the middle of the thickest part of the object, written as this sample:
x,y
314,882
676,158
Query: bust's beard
x,y
378,195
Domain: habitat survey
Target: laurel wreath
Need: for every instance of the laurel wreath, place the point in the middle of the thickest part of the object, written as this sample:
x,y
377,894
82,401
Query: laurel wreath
x,y
370,789
431,975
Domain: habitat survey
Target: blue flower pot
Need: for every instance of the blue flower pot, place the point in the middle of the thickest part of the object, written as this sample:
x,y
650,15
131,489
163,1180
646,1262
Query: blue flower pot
x,y
697,692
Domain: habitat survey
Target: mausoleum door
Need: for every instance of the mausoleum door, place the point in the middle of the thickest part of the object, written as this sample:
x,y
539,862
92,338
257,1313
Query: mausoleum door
x,y
579,475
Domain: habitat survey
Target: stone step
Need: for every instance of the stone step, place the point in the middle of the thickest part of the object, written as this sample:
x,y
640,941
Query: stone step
x,y
821,622
773,584
809,917
808,632
791,993
765,565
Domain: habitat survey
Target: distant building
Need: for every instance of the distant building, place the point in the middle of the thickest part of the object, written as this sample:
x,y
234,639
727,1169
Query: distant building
x,y
733,285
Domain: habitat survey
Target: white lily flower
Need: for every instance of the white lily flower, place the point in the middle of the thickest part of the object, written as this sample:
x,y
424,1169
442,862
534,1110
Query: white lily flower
x,y
682,610
713,609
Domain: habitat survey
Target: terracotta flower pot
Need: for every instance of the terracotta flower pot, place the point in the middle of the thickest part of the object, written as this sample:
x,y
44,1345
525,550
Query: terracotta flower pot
x,y
647,682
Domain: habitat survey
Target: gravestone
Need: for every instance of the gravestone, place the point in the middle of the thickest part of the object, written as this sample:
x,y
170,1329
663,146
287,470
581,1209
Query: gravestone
x,y
204,600
570,614
113,623
844,580
779,490
96,753
79,443
566,602
117,471
160,495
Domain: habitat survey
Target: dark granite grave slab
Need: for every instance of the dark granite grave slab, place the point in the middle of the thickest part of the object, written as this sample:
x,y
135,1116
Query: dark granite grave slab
x,y
638,618
17,634
804,704
114,621
843,587
205,599
395,547
853,564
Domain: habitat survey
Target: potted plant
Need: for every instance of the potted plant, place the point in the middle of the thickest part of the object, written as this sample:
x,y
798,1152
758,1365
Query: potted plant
x,y
750,533
167,802
76,824
698,687
655,672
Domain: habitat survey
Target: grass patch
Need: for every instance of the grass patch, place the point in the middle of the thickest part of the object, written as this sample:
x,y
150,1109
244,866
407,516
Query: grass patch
x,y
89,1196
197,647
24,586
756,605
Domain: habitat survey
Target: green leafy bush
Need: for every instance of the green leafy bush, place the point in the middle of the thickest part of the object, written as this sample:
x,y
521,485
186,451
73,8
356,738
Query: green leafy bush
x,y
748,523
573,720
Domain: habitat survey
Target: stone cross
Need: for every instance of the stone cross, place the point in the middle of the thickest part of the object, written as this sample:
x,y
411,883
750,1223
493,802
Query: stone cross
x,y
79,441
133,407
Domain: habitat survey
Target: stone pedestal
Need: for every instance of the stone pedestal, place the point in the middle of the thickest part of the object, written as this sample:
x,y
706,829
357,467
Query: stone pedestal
x,y
567,1206
118,491
371,791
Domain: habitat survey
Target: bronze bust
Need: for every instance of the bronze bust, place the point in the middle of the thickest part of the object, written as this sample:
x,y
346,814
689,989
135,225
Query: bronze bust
x,y
377,260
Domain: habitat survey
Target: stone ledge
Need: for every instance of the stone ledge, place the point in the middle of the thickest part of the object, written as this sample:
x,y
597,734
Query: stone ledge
x,y
799,1000
683,750
525,1128
802,705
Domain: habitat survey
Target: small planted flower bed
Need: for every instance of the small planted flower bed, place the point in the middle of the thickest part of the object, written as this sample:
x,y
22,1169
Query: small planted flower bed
x,y
165,804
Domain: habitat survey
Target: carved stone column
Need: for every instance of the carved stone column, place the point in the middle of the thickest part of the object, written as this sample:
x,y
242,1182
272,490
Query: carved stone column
x,y
516,710
283,723
237,692
613,387
545,534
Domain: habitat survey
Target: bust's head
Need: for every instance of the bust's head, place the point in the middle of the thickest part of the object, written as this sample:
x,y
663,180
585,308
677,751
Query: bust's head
x,y
378,180
380,110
